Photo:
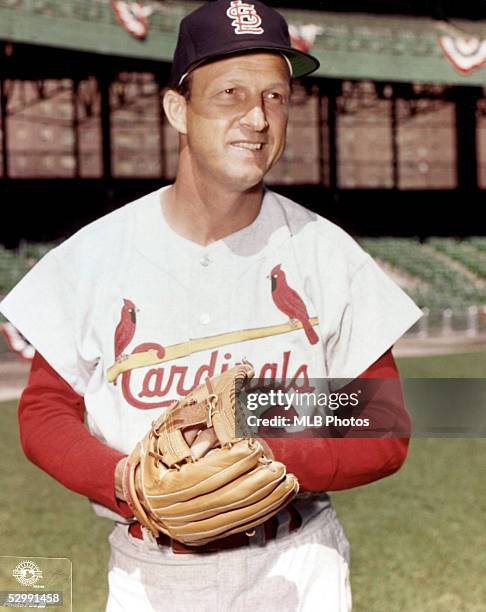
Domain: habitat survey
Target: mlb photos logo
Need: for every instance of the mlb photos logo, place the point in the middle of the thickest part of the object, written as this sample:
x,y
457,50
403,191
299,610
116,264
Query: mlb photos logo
x,y
27,573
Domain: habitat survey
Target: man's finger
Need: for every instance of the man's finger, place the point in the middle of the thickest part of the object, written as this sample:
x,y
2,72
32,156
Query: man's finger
x,y
190,434
205,441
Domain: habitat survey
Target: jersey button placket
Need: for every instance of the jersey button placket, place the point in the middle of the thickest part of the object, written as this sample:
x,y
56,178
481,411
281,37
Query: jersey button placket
x,y
202,301
205,318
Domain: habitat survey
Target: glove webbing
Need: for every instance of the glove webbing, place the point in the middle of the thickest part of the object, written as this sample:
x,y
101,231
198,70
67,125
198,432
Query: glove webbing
x,y
206,413
176,449
221,416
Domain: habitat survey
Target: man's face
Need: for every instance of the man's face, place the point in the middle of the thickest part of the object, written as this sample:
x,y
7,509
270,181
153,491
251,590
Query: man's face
x,y
237,117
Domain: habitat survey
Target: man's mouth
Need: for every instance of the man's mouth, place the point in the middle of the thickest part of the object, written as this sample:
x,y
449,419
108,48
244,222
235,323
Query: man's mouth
x,y
249,146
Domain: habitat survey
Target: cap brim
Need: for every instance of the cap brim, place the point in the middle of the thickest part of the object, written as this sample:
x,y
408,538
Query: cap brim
x,y
302,63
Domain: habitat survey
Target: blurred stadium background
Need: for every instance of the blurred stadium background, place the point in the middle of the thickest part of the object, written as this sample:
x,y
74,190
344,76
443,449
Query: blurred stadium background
x,y
388,139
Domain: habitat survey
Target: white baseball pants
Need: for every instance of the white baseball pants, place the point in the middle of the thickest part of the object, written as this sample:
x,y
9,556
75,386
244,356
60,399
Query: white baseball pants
x,y
304,571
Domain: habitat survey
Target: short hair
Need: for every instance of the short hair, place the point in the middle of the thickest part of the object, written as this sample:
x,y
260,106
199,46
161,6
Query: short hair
x,y
185,88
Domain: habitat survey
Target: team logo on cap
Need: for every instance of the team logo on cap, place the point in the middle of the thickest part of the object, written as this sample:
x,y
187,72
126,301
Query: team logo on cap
x,y
245,19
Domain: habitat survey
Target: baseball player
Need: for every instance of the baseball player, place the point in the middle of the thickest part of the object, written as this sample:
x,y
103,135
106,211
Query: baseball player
x,y
138,308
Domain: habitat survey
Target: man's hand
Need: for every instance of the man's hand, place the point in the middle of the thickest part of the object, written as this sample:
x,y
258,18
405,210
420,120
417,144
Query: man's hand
x,y
119,470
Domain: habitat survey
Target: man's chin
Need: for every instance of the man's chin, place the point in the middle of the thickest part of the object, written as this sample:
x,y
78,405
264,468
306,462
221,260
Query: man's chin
x,y
245,181
245,184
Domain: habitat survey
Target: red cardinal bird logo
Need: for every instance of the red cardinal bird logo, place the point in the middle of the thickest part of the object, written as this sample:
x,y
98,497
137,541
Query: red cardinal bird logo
x,y
290,303
125,330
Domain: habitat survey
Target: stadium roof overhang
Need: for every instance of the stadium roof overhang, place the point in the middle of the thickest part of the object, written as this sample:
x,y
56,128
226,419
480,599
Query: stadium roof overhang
x,y
352,46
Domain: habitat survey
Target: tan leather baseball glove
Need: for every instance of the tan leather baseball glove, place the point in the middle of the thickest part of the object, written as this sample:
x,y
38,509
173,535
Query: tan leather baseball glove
x,y
192,479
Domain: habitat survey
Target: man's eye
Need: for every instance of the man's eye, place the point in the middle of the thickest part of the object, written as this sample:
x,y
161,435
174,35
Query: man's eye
x,y
229,91
275,96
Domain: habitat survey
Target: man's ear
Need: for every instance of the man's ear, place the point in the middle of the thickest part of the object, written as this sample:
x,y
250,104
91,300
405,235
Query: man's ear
x,y
175,110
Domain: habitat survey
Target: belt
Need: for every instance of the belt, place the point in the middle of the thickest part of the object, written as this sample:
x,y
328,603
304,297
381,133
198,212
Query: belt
x,y
236,540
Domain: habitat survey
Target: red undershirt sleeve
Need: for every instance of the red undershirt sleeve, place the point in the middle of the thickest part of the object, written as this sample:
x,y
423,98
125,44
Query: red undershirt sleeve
x,y
331,464
54,437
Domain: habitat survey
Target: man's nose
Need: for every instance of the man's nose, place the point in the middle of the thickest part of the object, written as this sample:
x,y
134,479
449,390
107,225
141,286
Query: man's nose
x,y
255,118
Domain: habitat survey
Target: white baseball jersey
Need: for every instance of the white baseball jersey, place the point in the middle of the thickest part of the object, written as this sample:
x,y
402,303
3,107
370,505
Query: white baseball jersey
x,y
127,284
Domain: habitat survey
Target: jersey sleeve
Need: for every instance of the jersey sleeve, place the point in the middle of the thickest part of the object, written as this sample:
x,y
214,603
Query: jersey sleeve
x,y
44,308
376,312
54,437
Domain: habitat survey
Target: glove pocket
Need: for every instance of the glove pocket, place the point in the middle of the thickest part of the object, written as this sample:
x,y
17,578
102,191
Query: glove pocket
x,y
234,521
245,491
213,471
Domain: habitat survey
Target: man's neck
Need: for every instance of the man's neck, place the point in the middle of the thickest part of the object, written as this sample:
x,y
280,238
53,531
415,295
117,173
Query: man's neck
x,y
205,216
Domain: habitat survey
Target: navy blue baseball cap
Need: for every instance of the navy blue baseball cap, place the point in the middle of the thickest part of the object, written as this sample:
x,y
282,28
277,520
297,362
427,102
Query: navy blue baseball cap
x,y
224,27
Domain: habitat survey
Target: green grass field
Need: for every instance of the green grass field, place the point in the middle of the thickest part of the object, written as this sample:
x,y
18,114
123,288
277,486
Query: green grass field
x,y
418,538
